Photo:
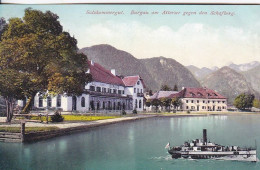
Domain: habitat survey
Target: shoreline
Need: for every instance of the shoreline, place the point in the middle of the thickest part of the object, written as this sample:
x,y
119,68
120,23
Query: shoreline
x,y
66,128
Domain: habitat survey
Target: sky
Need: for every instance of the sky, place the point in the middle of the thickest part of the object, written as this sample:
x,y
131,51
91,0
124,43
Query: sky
x,y
192,35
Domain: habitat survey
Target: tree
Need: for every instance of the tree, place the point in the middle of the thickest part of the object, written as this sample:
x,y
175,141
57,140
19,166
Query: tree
x,y
166,102
148,102
165,88
175,88
10,83
156,103
244,101
256,103
150,92
176,102
2,26
37,48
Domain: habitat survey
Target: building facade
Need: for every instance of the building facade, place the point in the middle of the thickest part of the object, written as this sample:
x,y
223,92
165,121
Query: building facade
x,y
201,99
107,92
194,99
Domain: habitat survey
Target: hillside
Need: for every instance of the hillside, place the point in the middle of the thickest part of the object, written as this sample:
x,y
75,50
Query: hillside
x,y
227,82
253,76
200,73
154,72
170,72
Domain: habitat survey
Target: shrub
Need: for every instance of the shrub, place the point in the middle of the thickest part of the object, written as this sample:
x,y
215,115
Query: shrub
x,y
134,111
57,117
188,112
174,111
123,112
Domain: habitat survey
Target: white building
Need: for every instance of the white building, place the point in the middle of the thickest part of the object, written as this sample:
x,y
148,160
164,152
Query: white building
x,y
195,99
107,92
201,99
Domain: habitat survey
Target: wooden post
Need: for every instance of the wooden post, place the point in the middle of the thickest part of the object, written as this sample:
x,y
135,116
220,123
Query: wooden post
x,y
22,130
47,118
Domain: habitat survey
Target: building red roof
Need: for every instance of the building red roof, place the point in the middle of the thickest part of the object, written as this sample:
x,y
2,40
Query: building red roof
x,y
100,74
132,80
204,93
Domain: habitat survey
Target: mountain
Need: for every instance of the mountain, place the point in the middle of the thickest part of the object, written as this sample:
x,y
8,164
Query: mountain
x,y
244,67
228,82
154,72
201,73
170,72
123,62
253,76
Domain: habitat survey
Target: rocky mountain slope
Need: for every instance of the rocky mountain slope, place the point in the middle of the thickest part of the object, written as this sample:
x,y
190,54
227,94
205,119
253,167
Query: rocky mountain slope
x,y
170,72
244,67
154,71
253,77
201,73
228,82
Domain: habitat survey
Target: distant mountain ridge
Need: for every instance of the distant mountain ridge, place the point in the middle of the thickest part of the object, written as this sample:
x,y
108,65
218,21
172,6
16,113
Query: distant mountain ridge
x,y
228,82
155,71
253,77
245,66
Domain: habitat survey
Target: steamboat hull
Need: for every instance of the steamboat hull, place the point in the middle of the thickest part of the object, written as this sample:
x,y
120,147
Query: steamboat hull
x,y
228,155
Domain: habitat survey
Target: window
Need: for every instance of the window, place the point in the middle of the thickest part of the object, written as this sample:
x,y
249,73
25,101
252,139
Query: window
x,y
110,90
135,103
203,101
138,82
187,101
104,90
40,102
223,107
213,101
218,101
58,101
141,90
191,101
98,89
104,105
198,101
49,101
114,91
83,102
223,101
134,90
123,92
209,101
140,104
92,88
114,108
187,107
119,91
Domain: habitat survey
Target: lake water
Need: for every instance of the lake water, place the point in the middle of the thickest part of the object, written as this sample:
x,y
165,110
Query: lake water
x,y
135,145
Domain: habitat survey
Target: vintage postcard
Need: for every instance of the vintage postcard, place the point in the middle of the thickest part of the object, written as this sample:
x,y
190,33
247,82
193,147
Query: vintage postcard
x,y
148,86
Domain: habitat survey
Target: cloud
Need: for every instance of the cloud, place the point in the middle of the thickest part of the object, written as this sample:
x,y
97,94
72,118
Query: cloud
x,y
192,43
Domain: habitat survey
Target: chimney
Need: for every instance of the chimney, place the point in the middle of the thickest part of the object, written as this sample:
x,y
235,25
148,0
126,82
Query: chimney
x,y
183,88
113,71
205,136
92,62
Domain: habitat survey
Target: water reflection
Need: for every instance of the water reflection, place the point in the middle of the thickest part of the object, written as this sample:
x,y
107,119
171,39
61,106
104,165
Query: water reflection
x,y
131,145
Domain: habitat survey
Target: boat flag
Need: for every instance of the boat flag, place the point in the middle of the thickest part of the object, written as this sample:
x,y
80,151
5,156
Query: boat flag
x,y
167,146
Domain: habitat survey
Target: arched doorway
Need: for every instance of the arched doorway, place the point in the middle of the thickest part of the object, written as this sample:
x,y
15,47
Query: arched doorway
x,y
74,103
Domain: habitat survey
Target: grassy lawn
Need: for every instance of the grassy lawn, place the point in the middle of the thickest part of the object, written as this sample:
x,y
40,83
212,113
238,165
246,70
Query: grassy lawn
x,y
27,129
77,117
86,117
